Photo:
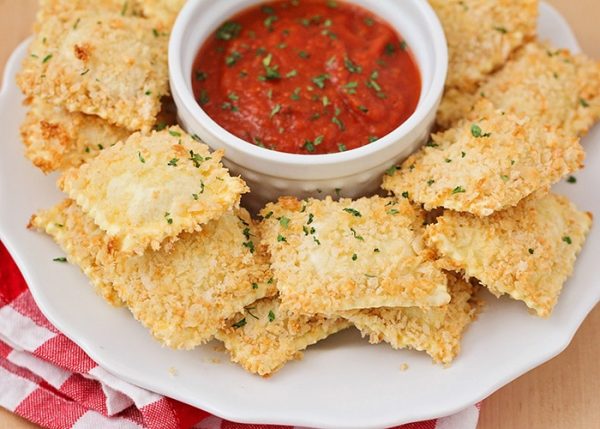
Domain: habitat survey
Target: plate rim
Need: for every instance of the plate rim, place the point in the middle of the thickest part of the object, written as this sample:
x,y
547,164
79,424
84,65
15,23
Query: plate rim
x,y
113,366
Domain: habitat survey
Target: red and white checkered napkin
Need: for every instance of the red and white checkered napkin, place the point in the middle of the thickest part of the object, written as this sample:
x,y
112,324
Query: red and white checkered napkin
x,y
49,380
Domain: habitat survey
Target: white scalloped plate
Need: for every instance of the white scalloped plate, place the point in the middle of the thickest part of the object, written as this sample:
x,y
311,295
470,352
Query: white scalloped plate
x,y
343,381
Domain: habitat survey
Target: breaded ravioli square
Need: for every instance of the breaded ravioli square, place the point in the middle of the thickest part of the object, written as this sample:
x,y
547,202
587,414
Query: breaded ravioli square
x,y
162,11
99,62
330,256
151,188
182,296
56,139
487,164
437,330
548,85
84,243
482,34
264,337
527,252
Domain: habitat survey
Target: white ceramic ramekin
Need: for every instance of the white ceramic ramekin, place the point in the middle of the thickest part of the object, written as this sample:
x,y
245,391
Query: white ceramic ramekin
x,y
271,174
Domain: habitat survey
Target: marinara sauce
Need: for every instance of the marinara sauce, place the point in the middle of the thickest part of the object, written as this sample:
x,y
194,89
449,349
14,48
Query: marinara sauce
x,y
307,76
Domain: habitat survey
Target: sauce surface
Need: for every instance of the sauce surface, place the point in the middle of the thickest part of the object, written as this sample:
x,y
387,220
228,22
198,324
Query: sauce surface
x,y
307,76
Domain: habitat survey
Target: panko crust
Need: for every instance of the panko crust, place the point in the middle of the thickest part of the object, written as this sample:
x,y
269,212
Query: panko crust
x,y
482,34
162,11
183,295
487,164
151,188
56,140
84,244
527,252
263,338
437,331
557,88
332,256
74,62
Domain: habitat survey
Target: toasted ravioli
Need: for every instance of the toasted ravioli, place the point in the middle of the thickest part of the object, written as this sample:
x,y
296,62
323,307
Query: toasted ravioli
x,y
162,11
482,34
264,337
527,251
332,256
56,139
151,188
183,295
437,330
552,86
98,62
486,165
84,243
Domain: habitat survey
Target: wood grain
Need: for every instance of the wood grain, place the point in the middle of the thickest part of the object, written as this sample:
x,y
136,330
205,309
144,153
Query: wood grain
x,y
563,393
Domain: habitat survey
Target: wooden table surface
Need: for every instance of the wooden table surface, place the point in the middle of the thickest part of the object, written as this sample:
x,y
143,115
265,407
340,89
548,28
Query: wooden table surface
x,y
563,393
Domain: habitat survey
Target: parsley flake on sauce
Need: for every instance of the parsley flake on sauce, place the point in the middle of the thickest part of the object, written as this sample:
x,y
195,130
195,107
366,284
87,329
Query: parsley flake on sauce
x,y
229,30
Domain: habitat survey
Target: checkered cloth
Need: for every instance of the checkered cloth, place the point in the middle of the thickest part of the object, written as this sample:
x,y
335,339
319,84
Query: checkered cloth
x,y
49,380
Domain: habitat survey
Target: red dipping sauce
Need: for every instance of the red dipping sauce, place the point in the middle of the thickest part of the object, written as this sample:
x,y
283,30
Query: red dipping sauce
x,y
307,77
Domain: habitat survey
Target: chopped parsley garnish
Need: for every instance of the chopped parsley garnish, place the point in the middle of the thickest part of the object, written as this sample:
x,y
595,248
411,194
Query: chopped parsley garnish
x,y
175,133
369,21
271,72
352,67
355,234
584,102
141,158
249,245
353,212
169,218
342,147
311,145
458,190
391,171
303,54
405,194
276,109
311,218
502,30
393,212
430,182
173,162
339,123
284,221
354,257
229,30
567,239
203,98
61,259
572,180
269,22
233,58
271,316
200,75
47,58
477,132
240,324
197,159
281,239
320,80
254,285
531,251
292,73
296,94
